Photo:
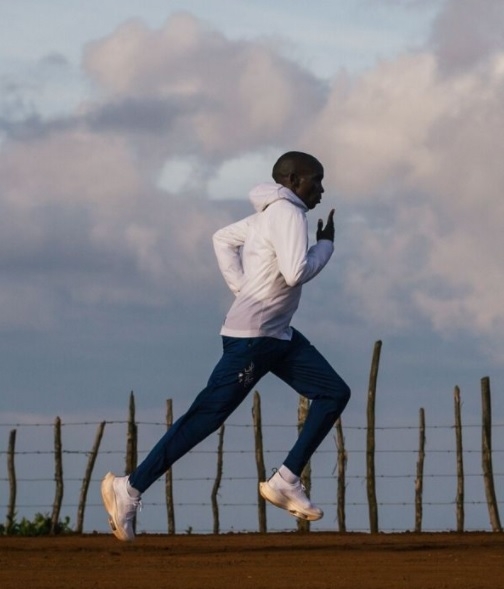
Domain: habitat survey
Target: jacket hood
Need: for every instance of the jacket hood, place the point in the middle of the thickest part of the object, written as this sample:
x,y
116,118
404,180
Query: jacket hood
x,y
269,192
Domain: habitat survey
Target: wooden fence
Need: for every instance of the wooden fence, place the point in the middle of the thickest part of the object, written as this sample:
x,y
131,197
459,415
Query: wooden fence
x,y
131,459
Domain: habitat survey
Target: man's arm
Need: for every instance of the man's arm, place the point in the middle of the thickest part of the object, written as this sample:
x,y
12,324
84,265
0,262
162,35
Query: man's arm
x,y
227,244
296,262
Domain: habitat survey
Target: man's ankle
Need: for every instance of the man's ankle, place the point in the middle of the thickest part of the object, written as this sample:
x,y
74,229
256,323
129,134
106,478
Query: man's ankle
x,y
287,475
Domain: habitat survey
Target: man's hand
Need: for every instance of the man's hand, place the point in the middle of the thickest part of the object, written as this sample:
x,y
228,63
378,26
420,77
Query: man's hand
x,y
326,232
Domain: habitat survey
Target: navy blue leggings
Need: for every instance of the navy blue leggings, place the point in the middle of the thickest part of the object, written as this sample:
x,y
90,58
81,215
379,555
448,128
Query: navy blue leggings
x,y
244,362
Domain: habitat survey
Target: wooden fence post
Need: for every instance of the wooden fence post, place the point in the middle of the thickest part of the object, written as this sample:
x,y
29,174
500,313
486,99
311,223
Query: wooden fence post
x,y
370,448
342,461
132,435
303,525
131,443
459,500
419,473
170,509
486,453
58,476
87,477
11,510
217,482
259,458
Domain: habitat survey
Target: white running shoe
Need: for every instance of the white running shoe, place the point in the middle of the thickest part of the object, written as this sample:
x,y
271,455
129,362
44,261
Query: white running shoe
x,y
291,497
120,506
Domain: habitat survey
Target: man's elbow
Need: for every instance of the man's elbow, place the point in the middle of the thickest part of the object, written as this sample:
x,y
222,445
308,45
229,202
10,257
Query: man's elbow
x,y
219,243
293,279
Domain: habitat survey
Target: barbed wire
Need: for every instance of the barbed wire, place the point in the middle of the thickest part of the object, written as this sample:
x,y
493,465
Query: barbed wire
x,y
244,425
251,478
270,451
355,479
252,504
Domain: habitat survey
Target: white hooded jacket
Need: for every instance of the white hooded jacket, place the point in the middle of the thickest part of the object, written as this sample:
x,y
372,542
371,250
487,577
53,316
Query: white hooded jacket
x,y
265,260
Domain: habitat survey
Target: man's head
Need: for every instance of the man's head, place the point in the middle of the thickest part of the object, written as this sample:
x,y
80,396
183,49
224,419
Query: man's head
x,y
303,174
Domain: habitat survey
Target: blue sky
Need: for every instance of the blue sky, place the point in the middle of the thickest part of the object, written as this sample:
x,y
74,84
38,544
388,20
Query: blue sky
x,y
131,131
359,31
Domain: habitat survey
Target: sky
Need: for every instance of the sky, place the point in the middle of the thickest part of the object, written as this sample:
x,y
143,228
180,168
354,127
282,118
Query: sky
x,y
131,131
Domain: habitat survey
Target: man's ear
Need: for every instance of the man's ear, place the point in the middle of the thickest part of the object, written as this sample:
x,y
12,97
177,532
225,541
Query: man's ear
x,y
294,180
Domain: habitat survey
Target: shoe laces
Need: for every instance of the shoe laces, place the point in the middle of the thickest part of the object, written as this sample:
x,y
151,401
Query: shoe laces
x,y
133,506
299,485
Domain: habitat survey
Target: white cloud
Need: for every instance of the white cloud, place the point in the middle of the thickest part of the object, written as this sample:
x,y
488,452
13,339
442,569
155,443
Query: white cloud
x,y
236,176
69,168
422,151
373,128
236,96
99,182
177,174
185,113
466,33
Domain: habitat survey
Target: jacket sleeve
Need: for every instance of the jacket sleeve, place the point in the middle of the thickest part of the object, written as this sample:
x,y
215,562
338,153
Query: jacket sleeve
x,y
289,233
227,244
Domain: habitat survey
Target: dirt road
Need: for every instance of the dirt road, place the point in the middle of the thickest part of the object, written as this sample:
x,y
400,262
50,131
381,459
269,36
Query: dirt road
x,y
255,561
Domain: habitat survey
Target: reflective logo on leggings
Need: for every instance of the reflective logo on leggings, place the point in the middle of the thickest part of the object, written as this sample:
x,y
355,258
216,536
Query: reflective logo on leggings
x,y
247,376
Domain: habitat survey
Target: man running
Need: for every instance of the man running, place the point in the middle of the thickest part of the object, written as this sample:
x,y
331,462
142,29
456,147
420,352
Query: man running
x,y
265,259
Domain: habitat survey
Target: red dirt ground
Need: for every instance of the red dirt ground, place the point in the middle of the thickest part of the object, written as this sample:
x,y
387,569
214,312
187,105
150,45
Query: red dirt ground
x,y
242,561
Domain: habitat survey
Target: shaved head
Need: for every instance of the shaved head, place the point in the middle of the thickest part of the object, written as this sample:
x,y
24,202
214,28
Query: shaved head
x,y
293,162
302,174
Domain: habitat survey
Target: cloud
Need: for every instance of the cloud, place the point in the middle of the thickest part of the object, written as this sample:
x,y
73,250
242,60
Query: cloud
x,y
89,207
467,33
240,95
417,153
81,222
121,189
69,168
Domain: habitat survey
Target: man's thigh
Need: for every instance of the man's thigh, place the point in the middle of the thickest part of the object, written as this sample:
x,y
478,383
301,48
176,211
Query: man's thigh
x,y
246,360
306,370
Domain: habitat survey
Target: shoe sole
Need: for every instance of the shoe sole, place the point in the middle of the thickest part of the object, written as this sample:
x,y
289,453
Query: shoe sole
x,y
279,500
109,501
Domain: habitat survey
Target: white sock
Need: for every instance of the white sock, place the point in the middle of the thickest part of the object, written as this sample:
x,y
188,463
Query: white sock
x,y
288,475
132,492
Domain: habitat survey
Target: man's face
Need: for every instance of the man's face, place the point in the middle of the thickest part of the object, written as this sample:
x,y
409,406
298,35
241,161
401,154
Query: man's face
x,y
309,185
